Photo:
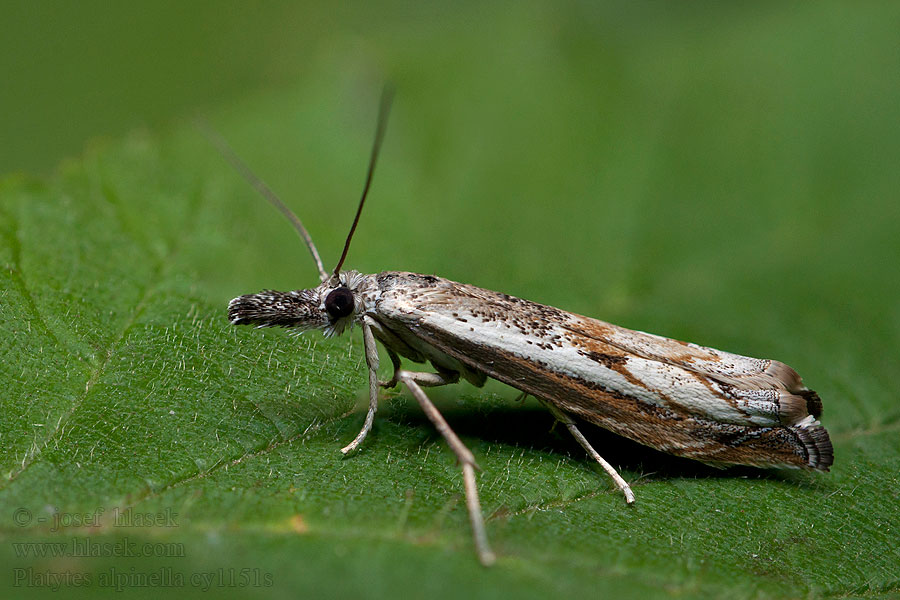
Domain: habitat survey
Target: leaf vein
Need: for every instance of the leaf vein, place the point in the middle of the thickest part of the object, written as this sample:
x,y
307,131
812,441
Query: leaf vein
x,y
159,269
225,463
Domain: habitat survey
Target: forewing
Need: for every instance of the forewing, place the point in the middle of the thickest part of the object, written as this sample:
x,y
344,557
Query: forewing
x,y
658,371
677,397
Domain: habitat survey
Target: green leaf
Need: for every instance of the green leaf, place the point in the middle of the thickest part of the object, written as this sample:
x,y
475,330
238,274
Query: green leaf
x,y
134,414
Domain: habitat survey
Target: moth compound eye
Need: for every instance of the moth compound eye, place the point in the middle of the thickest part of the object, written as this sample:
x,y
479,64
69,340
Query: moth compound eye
x,y
339,303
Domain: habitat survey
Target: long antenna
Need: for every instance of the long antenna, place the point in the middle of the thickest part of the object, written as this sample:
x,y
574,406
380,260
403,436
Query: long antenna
x,y
387,96
241,167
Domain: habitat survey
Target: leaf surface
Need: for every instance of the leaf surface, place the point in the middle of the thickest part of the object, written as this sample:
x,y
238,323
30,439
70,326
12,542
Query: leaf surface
x,y
134,413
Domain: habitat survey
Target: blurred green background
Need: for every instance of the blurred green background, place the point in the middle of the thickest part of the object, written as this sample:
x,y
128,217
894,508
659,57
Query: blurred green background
x,y
725,173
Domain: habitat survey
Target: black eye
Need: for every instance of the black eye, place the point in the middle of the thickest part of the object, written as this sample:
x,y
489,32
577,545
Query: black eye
x,y
339,303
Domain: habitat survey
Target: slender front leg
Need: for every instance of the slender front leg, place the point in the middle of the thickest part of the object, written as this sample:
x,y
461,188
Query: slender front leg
x,y
395,361
372,362
569,422
463,454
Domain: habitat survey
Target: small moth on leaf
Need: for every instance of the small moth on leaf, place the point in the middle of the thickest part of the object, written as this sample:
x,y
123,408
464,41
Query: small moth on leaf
x,y
681,398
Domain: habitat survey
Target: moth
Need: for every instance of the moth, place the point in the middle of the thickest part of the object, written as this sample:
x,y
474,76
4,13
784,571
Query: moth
x,y
681,398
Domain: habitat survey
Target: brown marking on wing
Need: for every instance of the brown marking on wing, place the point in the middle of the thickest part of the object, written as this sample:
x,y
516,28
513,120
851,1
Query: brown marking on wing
x,y
613,361
616,359
673,351
787,408
794,401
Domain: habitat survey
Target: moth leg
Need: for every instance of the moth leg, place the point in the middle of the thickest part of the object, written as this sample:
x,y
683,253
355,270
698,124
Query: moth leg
x,y
372,362
429,379
569,422
394,346
424,379
463,454
395,361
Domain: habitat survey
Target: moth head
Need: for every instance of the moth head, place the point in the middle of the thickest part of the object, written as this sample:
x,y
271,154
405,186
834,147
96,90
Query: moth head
x,y
331,306
341,298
